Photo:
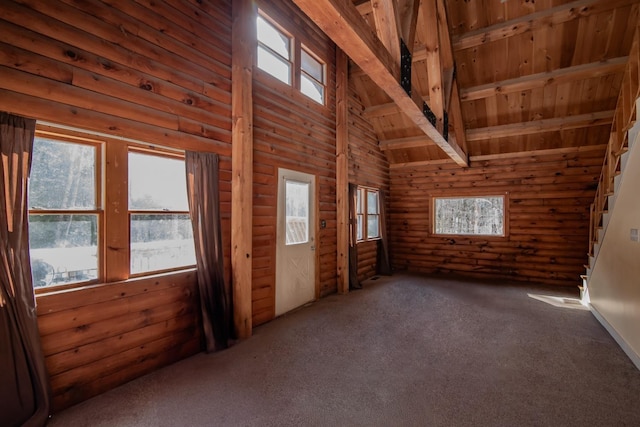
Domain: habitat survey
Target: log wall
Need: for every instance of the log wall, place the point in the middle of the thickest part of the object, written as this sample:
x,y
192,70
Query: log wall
x,y
548,218
368,166
154,71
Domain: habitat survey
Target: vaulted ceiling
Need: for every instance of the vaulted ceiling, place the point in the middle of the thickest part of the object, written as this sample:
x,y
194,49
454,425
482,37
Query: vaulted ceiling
x,y
506,77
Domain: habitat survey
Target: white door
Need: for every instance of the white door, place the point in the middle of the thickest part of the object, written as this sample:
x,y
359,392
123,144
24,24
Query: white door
x,y
295,247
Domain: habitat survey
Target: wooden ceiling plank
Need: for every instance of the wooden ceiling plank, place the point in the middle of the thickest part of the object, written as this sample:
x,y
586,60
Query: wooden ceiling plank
x,y
364,7
431,41
549,17
539,126
341,21
540,80
385,17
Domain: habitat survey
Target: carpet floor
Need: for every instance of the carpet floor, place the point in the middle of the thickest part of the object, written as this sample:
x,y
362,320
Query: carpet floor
x,y
404,351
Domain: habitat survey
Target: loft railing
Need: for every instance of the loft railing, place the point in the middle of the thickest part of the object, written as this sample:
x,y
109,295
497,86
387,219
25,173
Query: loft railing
x,y
623,120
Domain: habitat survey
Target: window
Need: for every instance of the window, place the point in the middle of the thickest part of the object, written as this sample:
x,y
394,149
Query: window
x,y
368,214
312,77
64,212
160,227
278,55
274,51
480,216
297,212
69,229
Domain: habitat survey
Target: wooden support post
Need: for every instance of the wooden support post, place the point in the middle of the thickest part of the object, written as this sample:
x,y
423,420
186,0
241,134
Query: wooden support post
x,y
342,168
242,48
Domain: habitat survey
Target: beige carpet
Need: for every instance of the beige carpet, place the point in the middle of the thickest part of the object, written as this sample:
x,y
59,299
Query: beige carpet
x,y
404,351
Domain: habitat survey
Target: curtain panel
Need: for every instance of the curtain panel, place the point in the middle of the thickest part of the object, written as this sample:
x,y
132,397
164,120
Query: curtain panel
x,y
25,393
354,283
383,266
204,209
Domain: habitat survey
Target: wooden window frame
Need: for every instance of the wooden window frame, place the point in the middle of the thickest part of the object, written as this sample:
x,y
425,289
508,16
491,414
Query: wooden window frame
x,y
505,218
112,195
362,192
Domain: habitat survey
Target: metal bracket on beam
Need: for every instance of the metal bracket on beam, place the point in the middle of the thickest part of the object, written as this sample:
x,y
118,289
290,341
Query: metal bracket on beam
x,y
405,67
445,127
428,114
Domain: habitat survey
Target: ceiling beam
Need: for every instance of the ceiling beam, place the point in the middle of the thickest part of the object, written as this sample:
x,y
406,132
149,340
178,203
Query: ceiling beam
x,y
540,80
387,109
385,17
544,18
431,39
340,20
408,19
402,143
446,53
540,126
364,7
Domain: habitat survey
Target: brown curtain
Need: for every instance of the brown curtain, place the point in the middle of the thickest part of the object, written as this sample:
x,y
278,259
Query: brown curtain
x,y
383,266
24,384
204,209
354,283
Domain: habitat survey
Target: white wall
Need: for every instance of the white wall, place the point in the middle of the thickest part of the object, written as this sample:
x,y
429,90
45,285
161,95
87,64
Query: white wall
x,y
614,287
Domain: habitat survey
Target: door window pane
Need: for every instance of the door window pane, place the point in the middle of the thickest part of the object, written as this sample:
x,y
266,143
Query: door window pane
x,y
297,212
63,176
63,248
161,242
157,183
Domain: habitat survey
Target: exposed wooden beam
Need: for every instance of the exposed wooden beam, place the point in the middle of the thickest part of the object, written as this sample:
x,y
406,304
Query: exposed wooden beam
x,y
500,156
431,39
534,153
402,143
455,117
364,7
549,17
539,126
446,53
408,19
242,47
385,17
342,169
539,80
340,20
387,109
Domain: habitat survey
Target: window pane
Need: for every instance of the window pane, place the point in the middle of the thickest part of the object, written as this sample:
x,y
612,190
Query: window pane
x,y
373,228
63,248
274,65
372,202
63,175
297,212
470,215
161,242
157,183
359,202
360,226
311,66
311,88
270,36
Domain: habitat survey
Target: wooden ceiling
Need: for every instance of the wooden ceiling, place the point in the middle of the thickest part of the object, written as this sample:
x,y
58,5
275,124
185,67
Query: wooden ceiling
x,y
529,75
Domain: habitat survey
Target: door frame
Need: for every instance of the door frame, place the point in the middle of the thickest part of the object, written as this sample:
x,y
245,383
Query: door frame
x,y
282,174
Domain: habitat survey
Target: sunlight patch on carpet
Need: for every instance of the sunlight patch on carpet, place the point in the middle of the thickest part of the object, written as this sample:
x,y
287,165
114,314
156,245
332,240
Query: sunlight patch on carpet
x,y
573,303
